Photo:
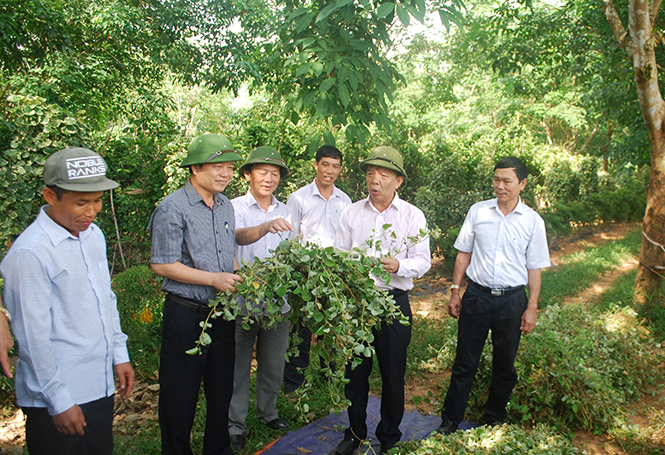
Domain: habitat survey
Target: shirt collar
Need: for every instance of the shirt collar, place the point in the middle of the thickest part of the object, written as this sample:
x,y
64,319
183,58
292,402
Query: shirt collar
x,y
195,197
316,192
57,233
396,204
519,208
251,200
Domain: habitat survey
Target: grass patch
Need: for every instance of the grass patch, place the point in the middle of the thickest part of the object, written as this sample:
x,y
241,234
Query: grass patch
x,y
577,271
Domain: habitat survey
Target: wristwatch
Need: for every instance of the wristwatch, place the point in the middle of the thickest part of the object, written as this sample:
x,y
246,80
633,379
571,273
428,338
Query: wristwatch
x,y
454,286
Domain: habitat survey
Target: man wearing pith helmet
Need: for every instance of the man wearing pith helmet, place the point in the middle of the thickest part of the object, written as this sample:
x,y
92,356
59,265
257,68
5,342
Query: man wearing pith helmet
x,y
65,318
263,170
405,260
193,242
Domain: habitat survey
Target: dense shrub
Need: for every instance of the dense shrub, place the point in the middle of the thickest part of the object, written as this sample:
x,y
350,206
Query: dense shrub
x,y
31,130
140,307
578,369
624,203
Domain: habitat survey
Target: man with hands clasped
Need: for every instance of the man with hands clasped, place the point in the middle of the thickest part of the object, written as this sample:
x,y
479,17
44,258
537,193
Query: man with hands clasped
x,y
65,318
502,247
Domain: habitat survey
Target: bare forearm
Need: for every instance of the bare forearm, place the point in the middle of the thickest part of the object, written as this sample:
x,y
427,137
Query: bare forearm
x,y
249,235
461,264
534,277
183,274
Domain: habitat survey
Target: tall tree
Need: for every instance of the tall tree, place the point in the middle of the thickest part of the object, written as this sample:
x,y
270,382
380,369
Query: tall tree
x,y
639,42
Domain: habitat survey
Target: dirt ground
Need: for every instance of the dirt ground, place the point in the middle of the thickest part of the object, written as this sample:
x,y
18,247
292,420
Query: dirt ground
x,y
429,299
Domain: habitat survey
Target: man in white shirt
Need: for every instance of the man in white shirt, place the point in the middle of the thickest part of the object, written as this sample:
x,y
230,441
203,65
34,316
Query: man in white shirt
x,y
404,260
65,318
501,248
316,209
263,170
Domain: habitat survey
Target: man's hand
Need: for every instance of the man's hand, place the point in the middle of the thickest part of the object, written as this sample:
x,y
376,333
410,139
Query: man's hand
x,y
6,345
455,304
390,265
70,422
125,374
278,225
529,319
223,281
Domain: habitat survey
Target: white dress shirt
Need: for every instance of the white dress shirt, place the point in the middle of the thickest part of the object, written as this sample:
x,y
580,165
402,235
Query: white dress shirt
x,y
503,247
249,213
317,217
58,290
362,221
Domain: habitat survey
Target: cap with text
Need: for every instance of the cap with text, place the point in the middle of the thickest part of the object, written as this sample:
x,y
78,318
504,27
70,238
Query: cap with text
x,y
77,169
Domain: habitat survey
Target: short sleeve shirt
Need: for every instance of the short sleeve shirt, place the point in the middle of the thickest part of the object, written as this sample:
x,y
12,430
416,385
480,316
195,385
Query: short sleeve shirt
x,y
184,229
503,247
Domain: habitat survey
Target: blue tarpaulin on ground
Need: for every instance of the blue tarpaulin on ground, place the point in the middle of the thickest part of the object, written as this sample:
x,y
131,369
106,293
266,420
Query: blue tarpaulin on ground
x,y
321,437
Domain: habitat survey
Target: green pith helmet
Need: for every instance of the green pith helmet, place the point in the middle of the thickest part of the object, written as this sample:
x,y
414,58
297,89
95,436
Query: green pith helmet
x,y
387,157
265,155
210,148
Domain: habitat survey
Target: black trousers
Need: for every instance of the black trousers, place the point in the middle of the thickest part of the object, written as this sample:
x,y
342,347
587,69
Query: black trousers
x,y
391,342
293,370
180,377
482,312
43,438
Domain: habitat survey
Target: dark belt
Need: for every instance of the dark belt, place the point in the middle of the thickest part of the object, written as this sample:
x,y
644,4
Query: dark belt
x,y
496,292
194,305
397,292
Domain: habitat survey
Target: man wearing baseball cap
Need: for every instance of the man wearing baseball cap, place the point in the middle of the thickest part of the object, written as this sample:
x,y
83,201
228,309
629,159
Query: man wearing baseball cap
x,y
64,314
193,242
405,260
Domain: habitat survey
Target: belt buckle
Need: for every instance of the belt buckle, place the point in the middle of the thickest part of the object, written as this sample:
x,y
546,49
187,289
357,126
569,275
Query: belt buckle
x,y
496,292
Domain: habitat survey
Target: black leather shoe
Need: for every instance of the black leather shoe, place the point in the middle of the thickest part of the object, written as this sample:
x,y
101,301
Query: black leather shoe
x,y
347,446
278,424
447,427
237,442
492,421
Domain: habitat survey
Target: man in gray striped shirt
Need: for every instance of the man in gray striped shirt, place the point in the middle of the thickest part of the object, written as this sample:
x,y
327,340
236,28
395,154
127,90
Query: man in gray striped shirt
x,y
193,244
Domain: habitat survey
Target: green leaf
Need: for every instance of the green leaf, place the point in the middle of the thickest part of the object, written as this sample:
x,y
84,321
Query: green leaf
x,y
325,85
328,139
303,69
325,12
403,14
341,3
385,9
344,95
281,291
192,351
205,339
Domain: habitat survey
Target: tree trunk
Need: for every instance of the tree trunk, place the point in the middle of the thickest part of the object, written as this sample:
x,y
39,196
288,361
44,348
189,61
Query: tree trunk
x,y
652,256
640,46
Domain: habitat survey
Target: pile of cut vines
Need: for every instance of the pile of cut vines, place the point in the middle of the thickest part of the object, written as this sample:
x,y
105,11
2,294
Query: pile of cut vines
x,y
330,291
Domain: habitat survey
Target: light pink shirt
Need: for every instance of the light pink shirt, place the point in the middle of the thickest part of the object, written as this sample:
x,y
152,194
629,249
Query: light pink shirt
x,y
362,221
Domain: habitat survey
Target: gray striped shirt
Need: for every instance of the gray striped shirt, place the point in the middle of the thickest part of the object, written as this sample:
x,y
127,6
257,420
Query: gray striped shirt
x,y
184,229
